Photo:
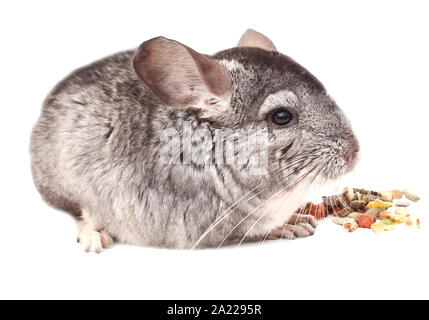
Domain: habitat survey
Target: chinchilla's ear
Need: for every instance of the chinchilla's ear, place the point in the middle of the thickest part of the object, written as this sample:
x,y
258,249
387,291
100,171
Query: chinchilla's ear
x,y
252,38
180,76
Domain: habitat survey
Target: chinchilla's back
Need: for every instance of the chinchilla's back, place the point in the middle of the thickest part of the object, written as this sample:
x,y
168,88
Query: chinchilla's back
x,y
76,134
96,154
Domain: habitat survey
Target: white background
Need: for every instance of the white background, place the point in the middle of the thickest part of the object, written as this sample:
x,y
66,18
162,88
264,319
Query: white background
x,y
373,58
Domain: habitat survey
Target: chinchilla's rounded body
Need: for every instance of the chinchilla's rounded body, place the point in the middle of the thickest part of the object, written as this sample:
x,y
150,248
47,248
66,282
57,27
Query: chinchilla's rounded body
x,y
115,145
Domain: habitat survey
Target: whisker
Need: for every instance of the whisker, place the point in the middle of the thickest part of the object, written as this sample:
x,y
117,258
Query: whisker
x,y
311,204
297,162
225,214
245,235
219,219
343,202
284,227
263,215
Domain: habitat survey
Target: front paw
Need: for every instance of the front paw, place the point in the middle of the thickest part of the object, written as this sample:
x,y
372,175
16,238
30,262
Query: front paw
x,y
299,225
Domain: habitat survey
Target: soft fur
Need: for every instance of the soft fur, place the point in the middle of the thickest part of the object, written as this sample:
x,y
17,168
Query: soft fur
x,y
96,147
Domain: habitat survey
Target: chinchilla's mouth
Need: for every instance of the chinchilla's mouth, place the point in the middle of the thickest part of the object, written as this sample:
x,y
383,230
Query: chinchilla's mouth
x,y
285,149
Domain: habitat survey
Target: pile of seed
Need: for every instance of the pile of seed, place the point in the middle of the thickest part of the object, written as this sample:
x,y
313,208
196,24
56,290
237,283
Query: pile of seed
x,y
360,208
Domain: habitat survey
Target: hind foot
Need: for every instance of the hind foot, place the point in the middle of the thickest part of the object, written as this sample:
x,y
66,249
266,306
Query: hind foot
x,y
299,225
93,240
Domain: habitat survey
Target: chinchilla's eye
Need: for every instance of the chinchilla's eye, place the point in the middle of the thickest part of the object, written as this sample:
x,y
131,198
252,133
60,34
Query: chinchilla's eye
x,y
281,117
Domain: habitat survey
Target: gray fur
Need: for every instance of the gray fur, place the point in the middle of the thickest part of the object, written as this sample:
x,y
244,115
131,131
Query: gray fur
x,y
96,148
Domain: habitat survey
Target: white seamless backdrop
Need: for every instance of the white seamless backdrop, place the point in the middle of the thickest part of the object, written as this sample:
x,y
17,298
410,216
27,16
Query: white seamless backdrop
x,y
371,55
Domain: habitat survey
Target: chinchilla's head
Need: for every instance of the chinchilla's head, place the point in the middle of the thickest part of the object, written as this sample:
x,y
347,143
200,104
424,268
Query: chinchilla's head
x,y
254,87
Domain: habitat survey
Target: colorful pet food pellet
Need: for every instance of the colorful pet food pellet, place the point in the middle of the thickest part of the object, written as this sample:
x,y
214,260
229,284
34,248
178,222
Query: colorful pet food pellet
x,y
380,226
412,222
388,221
402,212
358,204
344,212
411,196
396,217
367,192
348,194
401,204
383,214
396,194
354,215
350,226
386,195
378,204
342,221
374,211
365,221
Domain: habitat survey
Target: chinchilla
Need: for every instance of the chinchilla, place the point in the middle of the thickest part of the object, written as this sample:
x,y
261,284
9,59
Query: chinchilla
x,y
115,146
